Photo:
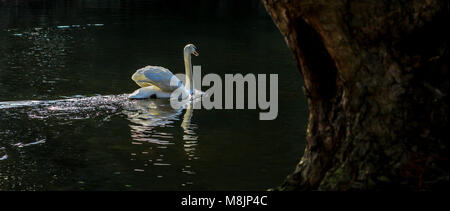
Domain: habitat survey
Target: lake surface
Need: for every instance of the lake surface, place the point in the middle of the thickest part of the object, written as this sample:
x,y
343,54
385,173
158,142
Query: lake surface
x,y
66,123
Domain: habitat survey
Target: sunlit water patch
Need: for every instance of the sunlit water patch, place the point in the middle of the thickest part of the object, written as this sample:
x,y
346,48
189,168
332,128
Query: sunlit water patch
x,y
143,115
146,122
40,60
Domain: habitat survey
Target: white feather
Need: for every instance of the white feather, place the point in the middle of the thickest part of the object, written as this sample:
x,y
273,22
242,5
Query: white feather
x,y
158,76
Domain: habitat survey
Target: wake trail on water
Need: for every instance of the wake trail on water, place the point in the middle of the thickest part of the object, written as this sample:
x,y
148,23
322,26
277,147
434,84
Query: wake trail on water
x,y
75,100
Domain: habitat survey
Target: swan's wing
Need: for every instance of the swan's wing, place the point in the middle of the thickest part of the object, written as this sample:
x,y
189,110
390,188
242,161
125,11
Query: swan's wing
x,y
158,76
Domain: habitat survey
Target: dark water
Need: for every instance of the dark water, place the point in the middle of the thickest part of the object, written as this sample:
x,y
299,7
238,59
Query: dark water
x,y
65,122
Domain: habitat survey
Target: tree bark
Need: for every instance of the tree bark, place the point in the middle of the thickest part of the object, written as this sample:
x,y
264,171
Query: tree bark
x,y
377,83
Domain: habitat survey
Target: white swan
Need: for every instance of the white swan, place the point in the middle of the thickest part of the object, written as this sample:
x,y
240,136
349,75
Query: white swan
x,y
156,81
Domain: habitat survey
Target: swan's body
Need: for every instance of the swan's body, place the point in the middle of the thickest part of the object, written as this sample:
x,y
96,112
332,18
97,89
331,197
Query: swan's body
x,y
149,92
159,82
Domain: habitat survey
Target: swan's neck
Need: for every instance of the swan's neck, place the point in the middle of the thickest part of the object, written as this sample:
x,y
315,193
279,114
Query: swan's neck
x,y
188,68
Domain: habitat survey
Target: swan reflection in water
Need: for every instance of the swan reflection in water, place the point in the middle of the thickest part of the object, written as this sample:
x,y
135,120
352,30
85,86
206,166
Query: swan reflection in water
x,y
148,117
189,137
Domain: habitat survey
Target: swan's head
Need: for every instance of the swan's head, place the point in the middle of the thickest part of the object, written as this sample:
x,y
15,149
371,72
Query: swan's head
x,y
191,49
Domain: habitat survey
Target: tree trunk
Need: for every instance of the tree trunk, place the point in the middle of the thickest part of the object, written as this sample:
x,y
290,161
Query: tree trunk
x,y
377,83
